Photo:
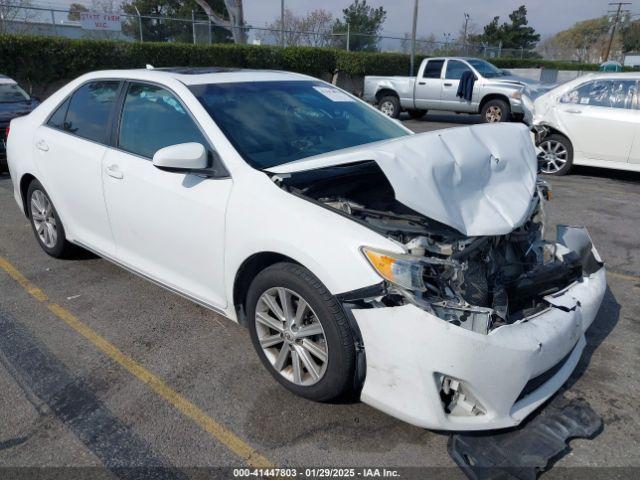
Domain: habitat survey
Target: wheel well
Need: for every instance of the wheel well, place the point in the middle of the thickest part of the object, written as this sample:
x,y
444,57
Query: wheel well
x,y
25,181
492,96
555,131
384,92
245,275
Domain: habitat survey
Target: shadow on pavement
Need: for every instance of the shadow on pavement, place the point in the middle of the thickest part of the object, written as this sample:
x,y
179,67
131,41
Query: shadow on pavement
x,y
606,173
602,326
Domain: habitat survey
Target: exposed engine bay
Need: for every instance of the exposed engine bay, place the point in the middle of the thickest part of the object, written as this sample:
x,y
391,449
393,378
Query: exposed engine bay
x,y
478,282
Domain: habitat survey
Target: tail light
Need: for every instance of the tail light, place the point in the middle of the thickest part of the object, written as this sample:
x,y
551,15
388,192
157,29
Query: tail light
x,y
6,132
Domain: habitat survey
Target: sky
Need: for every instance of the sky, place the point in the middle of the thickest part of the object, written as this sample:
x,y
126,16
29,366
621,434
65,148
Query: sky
x,y
446,16
435,16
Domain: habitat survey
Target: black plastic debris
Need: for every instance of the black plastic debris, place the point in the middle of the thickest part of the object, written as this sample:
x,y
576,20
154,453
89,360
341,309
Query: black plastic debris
x,y
525,451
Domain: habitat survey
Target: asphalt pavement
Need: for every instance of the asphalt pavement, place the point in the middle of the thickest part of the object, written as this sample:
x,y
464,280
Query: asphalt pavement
x,y
102,369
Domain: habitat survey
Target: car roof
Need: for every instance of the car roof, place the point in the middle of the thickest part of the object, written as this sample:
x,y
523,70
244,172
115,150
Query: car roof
x,y
609,75
632,75
453,58
199,75
6,80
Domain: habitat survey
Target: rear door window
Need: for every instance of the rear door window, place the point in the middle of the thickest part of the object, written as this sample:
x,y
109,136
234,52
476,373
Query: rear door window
x,y
433,69
89,110
57,119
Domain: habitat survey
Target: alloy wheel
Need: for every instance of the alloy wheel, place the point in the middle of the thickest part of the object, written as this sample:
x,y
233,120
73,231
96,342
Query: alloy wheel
x,y
493,114
553,157
291,336
44,219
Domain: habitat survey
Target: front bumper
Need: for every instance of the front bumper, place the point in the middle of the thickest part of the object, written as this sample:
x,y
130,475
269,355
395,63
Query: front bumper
x,y
510,372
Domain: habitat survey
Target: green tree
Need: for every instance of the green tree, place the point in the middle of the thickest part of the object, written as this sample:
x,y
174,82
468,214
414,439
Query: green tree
x,y
364,24
631,36
514,34
166,30
75,9
585,41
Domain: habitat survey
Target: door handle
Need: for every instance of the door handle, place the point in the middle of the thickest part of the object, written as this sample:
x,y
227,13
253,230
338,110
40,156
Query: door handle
x,y
420,83
114,172
573,111
42,145
448,84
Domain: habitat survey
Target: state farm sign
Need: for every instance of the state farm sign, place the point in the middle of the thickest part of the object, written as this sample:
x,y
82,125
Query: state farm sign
x,y
100,21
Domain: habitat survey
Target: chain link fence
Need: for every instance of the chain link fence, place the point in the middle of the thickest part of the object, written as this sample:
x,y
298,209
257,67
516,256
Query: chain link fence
x,y
15,18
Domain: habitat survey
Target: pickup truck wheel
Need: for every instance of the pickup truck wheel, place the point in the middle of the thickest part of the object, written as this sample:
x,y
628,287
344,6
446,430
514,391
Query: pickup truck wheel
x,y
390,106
495,111
556,155
301,333
417,114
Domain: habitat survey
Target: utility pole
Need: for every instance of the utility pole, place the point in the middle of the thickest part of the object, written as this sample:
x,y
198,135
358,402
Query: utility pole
x,y
282,22
464,44
193,25
139,23
413,37
348,35
615,24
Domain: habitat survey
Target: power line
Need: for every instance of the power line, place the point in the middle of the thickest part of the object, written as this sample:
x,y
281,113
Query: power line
x,y
618,11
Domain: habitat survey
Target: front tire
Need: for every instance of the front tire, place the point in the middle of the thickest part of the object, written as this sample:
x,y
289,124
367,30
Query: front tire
x,y
495,111
301,332
390,106
46,223
556,156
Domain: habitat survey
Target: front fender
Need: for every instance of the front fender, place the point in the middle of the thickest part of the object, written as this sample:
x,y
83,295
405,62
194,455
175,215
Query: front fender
x,y
261,217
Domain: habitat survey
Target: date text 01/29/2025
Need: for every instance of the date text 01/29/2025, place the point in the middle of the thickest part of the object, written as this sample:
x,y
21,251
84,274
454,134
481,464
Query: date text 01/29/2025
x,y
315,472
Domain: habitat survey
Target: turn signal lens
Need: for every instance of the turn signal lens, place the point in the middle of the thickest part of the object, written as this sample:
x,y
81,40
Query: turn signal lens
x,y
517,95
404,271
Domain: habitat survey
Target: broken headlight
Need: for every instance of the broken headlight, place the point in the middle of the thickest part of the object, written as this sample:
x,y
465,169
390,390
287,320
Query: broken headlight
x,y
411,274
405,271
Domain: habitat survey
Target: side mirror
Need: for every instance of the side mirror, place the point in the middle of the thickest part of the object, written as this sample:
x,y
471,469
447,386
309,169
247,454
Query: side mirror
x,y
182,157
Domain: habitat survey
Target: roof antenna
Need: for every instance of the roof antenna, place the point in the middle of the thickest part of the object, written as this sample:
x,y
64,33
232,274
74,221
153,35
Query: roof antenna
x,y
149,66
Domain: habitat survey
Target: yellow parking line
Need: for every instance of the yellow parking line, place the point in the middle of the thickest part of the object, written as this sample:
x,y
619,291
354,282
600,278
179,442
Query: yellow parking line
x,y
208,424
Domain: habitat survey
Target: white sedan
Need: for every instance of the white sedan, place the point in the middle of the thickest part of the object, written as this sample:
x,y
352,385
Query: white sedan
x,y
410,269
593,120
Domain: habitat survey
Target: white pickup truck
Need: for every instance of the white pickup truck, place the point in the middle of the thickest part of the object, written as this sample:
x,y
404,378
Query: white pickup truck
x,y
497,95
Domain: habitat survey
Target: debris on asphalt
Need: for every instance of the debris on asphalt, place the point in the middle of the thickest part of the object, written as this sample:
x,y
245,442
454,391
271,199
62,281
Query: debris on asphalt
x,y
525,451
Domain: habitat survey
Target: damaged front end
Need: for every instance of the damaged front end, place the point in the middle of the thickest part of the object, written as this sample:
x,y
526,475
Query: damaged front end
x,y
480,317
478,283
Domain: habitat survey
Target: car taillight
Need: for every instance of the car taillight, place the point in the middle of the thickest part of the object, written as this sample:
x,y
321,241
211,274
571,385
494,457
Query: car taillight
x,y
6,132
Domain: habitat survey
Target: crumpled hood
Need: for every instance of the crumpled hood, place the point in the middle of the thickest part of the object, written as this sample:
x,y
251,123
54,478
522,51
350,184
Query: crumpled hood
x,y
479,179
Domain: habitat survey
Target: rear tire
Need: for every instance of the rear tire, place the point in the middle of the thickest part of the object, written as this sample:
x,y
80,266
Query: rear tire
x,y
556,157
46,224
275,339
390,106
495,111
417,114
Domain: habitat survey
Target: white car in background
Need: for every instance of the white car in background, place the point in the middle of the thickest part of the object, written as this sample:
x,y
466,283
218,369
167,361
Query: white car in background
x,y
410,269
593,120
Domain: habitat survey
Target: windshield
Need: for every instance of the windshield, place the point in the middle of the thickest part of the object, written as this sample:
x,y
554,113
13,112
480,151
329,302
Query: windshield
x,y
485,68
272,123
11,93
